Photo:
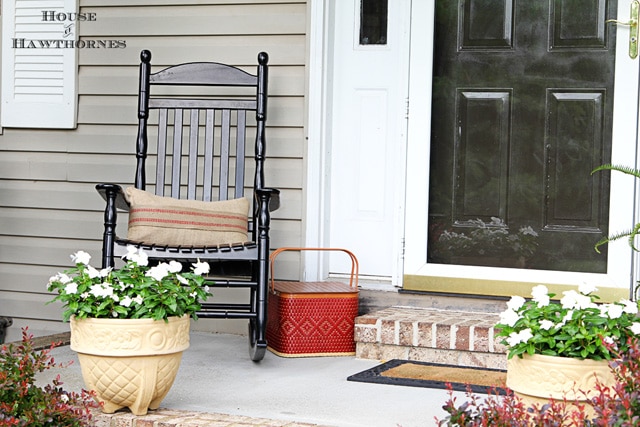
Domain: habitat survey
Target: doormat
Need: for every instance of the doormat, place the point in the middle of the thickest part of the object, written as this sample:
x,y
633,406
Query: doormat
x,y
432,375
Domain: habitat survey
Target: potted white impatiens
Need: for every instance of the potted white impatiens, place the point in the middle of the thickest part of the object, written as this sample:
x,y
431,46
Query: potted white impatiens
x,y
130,325
560,348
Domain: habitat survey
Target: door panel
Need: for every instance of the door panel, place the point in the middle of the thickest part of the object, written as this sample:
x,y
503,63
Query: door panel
x,y
521,114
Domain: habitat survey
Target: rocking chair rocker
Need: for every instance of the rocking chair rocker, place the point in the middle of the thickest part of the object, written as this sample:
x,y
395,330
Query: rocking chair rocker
x,y
188,225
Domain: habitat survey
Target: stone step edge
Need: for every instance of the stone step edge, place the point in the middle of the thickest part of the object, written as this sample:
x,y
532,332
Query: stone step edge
x,y
430,328
386,352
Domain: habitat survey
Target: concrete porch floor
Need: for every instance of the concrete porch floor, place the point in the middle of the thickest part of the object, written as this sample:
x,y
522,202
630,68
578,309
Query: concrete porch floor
x,y
218,385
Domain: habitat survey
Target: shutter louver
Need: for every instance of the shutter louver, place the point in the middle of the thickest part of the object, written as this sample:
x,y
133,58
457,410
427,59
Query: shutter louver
x,y
39,65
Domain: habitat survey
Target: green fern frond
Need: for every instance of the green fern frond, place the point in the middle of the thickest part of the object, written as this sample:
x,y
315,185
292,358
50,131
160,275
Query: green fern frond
x,y
624,169
630,234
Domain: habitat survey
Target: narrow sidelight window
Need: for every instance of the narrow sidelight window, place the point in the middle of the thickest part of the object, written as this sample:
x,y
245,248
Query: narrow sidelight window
x,y
373,22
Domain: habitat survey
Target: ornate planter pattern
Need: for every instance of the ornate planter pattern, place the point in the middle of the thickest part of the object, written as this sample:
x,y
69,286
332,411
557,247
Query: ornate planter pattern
x,y
130,362
537,378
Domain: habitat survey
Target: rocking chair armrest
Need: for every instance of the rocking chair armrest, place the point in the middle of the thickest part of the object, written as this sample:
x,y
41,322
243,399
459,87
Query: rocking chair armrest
x,y
272,197
113,191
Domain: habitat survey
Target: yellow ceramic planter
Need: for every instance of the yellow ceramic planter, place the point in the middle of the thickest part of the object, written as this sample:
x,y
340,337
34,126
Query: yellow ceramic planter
x,y
130,362
538,378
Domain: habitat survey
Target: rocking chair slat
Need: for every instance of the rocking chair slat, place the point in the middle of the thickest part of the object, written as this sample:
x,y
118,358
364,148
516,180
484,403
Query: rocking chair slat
x,y
161,158
209,134
193,154
176,160
240,153
225,142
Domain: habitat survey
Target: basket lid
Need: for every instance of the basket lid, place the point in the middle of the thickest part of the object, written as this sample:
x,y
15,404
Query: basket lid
x,y
307,288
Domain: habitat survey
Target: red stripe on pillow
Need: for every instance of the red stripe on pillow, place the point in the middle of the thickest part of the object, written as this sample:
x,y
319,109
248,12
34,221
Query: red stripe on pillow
x,y
219,225
193,213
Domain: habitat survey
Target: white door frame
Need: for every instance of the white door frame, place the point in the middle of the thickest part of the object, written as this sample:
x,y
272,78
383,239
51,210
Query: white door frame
x,y
622,272
318,167
314,265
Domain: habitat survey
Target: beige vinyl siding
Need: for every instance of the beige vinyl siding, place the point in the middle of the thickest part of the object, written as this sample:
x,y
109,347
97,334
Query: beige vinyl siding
x,y
48,205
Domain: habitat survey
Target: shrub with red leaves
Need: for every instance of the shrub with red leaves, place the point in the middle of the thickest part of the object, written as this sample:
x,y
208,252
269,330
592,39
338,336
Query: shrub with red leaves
x,y
23,403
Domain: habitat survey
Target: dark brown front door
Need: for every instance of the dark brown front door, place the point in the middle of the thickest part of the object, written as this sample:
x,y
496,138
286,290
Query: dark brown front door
x,y
522,107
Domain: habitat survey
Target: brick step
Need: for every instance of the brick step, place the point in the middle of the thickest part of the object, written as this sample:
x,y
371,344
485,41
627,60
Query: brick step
x,y
461,338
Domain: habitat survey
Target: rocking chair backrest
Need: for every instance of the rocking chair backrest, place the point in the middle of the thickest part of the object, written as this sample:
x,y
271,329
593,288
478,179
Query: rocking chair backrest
x,y
195,132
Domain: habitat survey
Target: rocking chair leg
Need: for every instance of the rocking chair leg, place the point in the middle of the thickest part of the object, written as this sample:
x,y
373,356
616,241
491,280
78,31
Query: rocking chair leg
x,y
258,325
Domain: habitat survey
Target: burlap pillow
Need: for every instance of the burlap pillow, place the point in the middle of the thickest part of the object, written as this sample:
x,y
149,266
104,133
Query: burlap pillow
x,y
168,221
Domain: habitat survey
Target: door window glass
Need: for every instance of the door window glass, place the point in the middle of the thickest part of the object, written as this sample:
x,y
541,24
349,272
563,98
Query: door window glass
x,y
373,22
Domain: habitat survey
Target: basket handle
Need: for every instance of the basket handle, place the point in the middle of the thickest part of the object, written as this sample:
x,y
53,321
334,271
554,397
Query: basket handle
x,y
353,281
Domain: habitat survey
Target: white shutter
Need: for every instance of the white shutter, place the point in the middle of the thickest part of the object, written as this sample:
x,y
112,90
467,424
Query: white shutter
x,y
39,83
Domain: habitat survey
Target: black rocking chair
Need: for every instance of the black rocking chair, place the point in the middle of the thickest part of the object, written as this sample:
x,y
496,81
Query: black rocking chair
x,y
215,131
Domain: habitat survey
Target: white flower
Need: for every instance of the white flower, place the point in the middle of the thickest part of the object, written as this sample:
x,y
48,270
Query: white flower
x,y
138,300
96,290
569,299
105,271
516,338
131,252
142,259
124,286
608,340
546,324
71,288
108,290
101,290
126,301
92,272
526,335
60,277
513,339
137,255
64,398
201,268
509,317
567,317
587,288
635,328
575,300
515,302
614,311
175,267
81,257
630,307
540,295
158,272
182,279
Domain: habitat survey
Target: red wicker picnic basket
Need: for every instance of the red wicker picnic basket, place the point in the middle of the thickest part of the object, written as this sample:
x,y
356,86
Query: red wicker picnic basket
x,y
312,318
